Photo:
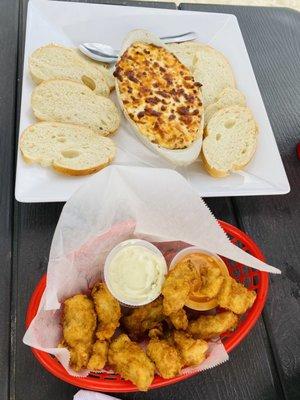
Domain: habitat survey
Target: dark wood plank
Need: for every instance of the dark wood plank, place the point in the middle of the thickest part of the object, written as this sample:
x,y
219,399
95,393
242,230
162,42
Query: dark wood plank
x,y
8,66
34,227
274,221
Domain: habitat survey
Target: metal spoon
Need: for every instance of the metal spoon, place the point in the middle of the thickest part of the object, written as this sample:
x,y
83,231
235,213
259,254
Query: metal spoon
x,y
107,54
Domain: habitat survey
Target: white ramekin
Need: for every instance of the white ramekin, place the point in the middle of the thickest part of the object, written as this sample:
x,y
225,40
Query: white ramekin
x,y
132,242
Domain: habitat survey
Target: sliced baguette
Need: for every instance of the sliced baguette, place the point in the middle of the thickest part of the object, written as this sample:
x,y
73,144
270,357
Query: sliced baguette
x,y
69,149
59,62
66,101
214,72
228,97
186,52
230,142
102,67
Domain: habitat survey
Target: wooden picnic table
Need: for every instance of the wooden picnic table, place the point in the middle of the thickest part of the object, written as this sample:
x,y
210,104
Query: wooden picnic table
x,y
267,364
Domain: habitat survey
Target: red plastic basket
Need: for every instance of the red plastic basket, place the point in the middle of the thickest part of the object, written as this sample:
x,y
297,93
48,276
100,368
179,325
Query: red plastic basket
x,y
251,278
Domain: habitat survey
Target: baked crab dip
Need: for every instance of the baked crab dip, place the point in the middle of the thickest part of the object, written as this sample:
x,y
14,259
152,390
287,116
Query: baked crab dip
x,y
160,98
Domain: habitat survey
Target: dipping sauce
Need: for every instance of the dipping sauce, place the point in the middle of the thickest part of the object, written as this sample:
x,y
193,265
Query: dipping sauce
x,y
134,272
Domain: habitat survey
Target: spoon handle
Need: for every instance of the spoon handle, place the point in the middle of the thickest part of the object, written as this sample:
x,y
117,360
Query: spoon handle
x,y
104,53
184,37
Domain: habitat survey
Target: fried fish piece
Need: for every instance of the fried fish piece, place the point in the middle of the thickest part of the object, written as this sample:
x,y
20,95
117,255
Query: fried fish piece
x,y
192,351
179,319
79,324
165,357
99,355
144,318
235,297
177,286
210,326
156,332
108,311
129,360
211,281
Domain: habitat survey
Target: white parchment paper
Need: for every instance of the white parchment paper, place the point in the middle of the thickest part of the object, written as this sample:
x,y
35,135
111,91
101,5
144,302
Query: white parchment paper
x,y
116,204
87,395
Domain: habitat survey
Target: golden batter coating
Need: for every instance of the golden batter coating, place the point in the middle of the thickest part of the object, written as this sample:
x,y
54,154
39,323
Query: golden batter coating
x,y
159,95
210,326
144,318
165,357
129,360
99,356
192,351
79,324
179,319
108,311
235,297
177,286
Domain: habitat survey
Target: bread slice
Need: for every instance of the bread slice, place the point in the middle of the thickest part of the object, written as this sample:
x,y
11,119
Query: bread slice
x,y
69,149
55,61
105,70
66,101
230,142
228,97
214,72
185,52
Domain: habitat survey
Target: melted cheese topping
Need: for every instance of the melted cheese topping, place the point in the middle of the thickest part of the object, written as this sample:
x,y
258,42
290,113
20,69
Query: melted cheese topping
x,y
159,95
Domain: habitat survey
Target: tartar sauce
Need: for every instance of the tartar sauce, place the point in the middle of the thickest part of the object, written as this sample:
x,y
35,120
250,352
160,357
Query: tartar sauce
x,y
135,274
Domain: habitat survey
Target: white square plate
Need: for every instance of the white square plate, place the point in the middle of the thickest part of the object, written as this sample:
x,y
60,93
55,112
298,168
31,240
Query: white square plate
x,y
74,23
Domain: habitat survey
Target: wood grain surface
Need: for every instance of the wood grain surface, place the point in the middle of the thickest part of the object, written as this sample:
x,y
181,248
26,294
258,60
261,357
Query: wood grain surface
x,y
8,67
266,364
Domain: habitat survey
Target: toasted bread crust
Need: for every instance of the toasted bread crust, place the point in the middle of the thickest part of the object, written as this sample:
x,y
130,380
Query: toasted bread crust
x,y
81,172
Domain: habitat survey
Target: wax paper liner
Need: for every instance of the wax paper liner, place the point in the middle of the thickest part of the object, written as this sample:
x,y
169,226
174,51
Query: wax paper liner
x,y
116,204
